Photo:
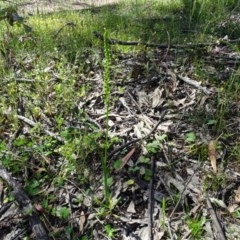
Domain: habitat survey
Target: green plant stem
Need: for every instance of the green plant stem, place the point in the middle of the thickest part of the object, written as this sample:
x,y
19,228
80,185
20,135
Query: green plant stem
x,y
106,102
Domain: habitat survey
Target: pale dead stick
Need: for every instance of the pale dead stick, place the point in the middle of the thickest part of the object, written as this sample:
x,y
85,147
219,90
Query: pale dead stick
x,y
195,84
217,226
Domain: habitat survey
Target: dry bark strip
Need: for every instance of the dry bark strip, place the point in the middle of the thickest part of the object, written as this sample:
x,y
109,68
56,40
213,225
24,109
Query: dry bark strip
x,y
25,204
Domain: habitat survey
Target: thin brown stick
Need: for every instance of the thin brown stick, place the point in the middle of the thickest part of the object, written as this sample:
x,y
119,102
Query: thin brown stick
x,y
70,24
168,46
181,195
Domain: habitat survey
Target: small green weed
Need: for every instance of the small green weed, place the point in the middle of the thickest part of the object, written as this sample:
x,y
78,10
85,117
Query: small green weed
x,y
163,214
110,231
62,212
214,181
236,214
143,164
190,137
156,145
104,209
196,227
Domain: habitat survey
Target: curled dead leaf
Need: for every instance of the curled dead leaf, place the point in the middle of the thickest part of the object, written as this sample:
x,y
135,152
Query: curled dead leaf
x,y
212,155
81,222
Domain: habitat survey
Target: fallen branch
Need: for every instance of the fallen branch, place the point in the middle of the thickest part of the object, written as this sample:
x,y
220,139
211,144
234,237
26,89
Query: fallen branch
x,y
195,84
162,46
26,205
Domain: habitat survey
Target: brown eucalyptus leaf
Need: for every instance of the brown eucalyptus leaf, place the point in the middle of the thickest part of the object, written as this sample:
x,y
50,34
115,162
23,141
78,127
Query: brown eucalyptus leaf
x,y
212,155
126,158
81,222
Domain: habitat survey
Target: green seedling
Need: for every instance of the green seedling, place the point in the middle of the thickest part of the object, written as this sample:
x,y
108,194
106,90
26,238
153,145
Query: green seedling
x,y
163,213
62,212
196,227
110,231
190,137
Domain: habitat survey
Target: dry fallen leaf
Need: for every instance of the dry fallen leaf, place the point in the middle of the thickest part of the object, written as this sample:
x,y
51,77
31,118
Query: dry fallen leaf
x,y
131,208
157,99
144,233
237,195
143,99
81,221
233,208
212,155
126,158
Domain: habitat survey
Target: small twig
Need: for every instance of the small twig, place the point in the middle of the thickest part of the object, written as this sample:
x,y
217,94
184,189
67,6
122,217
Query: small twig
x,y
162,46
111,154
71,24
24,80
220,235
33,124
195,84
181,195
169,230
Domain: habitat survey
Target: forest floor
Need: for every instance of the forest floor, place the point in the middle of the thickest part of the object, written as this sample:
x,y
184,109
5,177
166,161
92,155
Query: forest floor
x,y
119,121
